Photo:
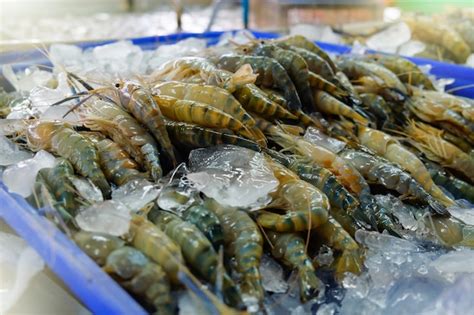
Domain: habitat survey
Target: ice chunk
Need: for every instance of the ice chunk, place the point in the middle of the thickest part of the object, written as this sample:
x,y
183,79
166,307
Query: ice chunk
x,y
322,33
455,299
379,241
19,263
400,210
328,309
11,153
20,177
470,61
272,275
110,217
67,56
232,175
136,194
121,58
411,48
86,189
27,79
315,136
456,262
179,193
240,37
389,39
464,214
42,97
190,304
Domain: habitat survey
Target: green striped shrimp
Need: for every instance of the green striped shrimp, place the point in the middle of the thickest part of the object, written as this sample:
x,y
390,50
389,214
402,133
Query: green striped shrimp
x,y
207,222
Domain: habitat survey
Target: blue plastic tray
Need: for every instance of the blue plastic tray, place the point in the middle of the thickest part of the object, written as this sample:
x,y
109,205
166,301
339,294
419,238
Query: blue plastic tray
x,y
92,286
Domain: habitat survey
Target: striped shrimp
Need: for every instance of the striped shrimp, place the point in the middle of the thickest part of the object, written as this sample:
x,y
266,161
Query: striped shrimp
x,y
319,177
379,108
330,105
334,235
197,251
245,243
61,139
271,74
407,71
117,124
140,103
307,206
291,250
204,115
207,222
117,165
294,64
389,148
130,267
319,83
428,140
255,100
380,171
194,136
206,71
303,42
458,188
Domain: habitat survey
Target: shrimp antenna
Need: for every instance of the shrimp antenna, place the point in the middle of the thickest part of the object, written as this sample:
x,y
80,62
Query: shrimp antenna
x,y
459,88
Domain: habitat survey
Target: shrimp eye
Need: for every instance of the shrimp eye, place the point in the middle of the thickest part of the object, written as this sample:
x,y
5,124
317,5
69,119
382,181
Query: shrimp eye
x,y
245,49
117,85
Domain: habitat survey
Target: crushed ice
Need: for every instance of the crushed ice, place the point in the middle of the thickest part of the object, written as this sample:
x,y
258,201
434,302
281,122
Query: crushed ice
x,y
110,217
232,175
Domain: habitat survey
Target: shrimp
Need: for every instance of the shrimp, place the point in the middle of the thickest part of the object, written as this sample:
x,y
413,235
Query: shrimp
x,y
307,206
319,83
206,94
207,222
58,180
439,33
204,115
458,188
245,243
254,100
379,108
140,103
208,73
117,124
379,171
270,74
330,105
197,250
431,111
296,67
130,267
319,177
376,77
118,167
302,42
428,140
389,148
290,249
334,235
407,71
61,139
153,242
194,136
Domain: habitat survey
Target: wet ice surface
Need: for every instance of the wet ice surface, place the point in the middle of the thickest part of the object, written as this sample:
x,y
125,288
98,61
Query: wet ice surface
x,y
20,177
136,194
389,39
233,176
110,217
11,153
404,277
315,136
272,275
464,213
86,189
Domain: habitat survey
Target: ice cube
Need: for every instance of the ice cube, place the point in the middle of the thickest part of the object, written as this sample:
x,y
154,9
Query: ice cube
x,y
470,61
411,48
389,39
272,275
42,97
379,241
322,33
232,175
11,153
455,299
19,263
110,217
460,261
315,136
86,189
328,309
136,194
190,304
27,79
67,56
20,177
464,214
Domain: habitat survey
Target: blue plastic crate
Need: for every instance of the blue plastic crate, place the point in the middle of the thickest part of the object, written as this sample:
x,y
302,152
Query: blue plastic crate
x,y
94,288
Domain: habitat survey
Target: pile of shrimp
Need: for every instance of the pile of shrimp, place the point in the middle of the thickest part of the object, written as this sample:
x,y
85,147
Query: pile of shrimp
x,y
286,100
